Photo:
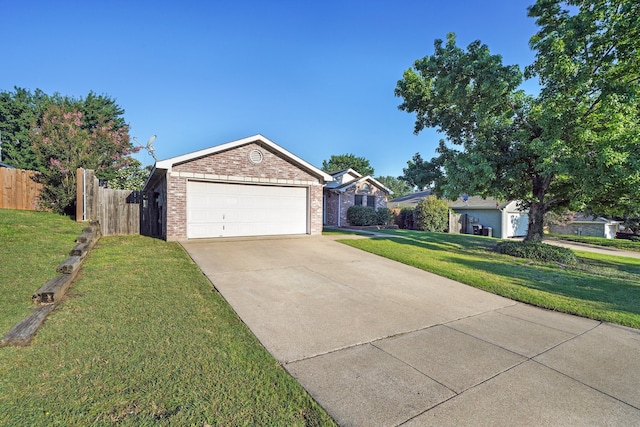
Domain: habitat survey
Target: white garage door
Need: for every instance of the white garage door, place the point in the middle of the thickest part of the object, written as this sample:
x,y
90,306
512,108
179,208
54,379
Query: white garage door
x,y
227,210
517,225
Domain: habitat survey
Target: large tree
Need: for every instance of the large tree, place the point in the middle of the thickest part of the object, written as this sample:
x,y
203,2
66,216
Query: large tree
x,y
19,110
64,141
22,112
419,173
345,161
572,145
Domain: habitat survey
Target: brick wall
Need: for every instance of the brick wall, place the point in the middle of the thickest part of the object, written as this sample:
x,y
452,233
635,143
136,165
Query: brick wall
x,y
346,200
235,166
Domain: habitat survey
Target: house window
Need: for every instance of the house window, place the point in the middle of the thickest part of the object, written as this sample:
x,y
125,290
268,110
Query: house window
x,y
371,201
359,200
365,188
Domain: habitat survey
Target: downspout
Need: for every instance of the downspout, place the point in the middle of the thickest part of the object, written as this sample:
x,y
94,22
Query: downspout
x,y
504,223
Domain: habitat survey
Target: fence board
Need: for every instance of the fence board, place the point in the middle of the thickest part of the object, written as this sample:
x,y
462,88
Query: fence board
x,y
117,211
457,223
19,189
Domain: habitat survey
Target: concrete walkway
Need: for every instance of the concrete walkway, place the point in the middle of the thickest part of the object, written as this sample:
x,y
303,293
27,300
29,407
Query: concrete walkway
x,y
378,343
592,248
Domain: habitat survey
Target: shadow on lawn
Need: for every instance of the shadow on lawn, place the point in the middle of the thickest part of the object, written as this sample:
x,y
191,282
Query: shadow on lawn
x,y
612,286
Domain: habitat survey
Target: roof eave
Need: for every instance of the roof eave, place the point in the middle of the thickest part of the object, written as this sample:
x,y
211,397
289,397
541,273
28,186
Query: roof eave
x,y
167,164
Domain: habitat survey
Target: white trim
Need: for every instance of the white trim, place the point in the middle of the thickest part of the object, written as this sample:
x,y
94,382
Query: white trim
x,y
364,178
168,163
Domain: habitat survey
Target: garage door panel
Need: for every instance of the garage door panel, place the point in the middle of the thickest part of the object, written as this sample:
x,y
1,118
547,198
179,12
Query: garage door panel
x,y
226,210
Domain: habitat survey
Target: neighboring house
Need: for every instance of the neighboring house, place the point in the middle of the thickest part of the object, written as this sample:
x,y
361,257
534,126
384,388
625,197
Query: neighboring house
x,y
349,188
409,201
4,165
476,214
248,187
588,226
504,218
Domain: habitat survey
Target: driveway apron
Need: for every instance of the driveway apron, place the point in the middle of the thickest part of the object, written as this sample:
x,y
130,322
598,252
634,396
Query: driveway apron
x,y
379,343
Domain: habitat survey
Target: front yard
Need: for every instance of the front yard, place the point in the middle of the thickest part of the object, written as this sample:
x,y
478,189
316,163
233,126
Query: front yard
x,y
141,339
601,287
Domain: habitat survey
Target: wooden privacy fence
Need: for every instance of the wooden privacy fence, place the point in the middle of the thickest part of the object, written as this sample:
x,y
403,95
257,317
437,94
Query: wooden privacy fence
x,y
117,211
457,223
18,189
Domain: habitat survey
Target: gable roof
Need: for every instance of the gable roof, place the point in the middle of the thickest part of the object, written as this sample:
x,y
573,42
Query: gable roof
x,y
344,172
590,219
342,188
477,202
168,163
409,200
338,177
472,202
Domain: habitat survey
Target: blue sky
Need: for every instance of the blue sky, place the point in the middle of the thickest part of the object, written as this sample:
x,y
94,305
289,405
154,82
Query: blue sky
x,y
316,78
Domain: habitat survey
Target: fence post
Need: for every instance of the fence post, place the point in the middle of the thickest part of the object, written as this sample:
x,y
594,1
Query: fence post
x,y
79,195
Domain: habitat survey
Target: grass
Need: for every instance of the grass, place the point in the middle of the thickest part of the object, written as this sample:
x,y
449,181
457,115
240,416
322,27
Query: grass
x,y
340,232
144,339
601,287
33,245
624,244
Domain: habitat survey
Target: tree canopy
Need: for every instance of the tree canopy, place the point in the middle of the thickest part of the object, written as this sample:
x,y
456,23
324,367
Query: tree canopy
x,y
420,173
345,161
573,145
63,142
22,112
56,134
398,186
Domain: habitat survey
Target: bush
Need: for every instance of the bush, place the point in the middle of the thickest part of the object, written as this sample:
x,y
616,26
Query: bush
x,y
432,214
361,215
405,219
383,216
366,215
537,251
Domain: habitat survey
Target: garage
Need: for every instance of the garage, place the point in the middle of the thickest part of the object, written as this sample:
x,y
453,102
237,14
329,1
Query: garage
x,y
247,187
231,210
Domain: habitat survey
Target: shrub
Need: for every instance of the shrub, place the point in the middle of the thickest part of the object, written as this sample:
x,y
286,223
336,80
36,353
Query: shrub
x,y
361,215
405,219
366,215
383,216
537,251
432,214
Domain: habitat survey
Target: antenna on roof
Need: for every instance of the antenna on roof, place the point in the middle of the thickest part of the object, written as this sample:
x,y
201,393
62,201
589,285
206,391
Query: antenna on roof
x,y
149,147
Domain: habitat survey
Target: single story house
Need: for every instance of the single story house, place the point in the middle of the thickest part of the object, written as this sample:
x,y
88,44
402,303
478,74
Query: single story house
x,y
349,188
477,214
588,226
408,201
247,187
504,218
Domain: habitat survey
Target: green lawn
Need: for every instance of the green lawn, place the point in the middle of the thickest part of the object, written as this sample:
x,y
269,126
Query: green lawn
x,y
144,339
600,287
32,245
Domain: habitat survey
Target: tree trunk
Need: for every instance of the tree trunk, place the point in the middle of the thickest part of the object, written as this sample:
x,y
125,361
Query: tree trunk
x,y
535,232
537,208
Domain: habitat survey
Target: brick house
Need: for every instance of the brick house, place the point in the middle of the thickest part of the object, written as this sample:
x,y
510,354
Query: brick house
x,y
248,187
350,188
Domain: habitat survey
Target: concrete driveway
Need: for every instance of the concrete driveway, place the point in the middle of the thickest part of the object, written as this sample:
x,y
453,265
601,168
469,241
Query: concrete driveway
x,y
378,343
